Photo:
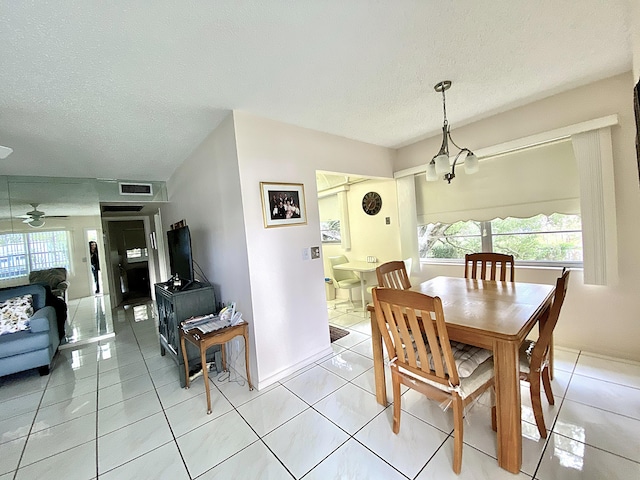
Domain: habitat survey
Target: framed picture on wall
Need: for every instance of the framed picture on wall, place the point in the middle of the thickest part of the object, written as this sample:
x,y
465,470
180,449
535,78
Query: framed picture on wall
x,y
283,204
636,108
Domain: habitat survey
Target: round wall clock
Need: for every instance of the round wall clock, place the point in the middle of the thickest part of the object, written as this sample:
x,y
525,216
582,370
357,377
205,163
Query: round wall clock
x,y
371,203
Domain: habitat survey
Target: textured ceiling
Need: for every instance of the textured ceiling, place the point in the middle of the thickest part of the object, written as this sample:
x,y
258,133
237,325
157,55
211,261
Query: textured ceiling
x,y
117,89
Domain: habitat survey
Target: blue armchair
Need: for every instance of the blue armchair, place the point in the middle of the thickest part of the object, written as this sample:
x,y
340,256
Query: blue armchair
x,y
33,348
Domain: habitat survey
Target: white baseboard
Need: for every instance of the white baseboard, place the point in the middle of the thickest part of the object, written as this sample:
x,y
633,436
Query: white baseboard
x,y
271,379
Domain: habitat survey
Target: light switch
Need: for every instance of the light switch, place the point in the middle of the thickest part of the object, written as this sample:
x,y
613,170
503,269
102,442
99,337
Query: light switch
x,y
305,254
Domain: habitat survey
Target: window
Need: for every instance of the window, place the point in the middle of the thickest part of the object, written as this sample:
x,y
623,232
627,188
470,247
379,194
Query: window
x,y
539,239
137,254
330,231
21,253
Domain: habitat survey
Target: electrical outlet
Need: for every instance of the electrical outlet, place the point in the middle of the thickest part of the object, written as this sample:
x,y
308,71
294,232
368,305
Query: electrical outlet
x,y
315,252
387,220
305,254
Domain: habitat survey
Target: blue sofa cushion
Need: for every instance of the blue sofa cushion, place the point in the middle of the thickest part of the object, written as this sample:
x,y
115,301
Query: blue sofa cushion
x,y
23,342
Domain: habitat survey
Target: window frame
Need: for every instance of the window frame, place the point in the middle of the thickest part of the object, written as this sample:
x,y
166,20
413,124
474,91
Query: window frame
x,y
28,253
486,237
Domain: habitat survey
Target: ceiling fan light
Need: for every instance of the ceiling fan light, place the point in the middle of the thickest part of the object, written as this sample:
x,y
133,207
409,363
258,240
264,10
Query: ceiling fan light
x,y
471,164
442,164
432,176
5,152
36,223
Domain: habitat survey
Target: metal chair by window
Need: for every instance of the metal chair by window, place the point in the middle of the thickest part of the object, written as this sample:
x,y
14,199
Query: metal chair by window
x,y
344,278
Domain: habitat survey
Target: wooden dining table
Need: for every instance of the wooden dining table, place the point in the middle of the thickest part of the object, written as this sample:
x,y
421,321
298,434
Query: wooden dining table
x,y
493,315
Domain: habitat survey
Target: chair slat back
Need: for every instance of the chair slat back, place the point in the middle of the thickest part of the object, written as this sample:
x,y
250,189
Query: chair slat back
x,y
406,318
544,340
484,266
393,275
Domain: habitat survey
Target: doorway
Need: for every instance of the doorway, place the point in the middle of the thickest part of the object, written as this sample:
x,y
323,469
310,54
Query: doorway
x,y
129,257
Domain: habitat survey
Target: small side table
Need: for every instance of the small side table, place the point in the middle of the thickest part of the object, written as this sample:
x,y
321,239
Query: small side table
x,y
205,340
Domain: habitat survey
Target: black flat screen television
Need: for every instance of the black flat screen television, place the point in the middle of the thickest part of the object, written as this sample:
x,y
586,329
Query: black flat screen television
x,y
180,257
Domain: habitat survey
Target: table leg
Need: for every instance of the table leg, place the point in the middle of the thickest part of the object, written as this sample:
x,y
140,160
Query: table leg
x,y
186,361
224,357
205,376
246,356
508,406
378,362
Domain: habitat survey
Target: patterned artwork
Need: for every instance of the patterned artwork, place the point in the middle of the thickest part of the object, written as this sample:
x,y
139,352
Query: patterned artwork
x,y
15,314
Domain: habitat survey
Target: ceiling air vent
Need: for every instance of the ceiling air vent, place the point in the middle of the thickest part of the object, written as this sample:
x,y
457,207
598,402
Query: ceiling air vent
x,y
136,188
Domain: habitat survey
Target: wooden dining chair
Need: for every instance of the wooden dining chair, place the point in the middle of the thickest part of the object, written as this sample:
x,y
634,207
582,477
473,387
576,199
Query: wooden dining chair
x,y
425,361
534,356
393,275
484,266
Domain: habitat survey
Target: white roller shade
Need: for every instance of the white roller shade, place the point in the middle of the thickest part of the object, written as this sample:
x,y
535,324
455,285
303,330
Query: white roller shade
x,y
329,208
541,179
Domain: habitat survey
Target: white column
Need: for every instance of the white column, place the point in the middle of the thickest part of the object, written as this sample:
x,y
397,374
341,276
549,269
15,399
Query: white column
x,y
345,227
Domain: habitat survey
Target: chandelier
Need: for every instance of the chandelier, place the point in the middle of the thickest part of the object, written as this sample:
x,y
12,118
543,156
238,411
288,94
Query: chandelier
x,y
439,164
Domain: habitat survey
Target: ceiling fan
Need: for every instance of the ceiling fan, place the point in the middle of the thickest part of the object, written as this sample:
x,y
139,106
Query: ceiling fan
x,y
35,217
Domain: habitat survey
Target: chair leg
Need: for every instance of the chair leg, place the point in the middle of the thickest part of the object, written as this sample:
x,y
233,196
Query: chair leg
x,y
494,410
494,419
546,383
457,433
395,383
536,404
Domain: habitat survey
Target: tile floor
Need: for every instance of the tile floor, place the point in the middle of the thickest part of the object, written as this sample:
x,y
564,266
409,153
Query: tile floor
x,y
89,317
114,410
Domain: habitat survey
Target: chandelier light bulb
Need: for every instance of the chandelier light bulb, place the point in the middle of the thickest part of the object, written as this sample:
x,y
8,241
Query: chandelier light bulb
x,y
432,175
442,164
471,165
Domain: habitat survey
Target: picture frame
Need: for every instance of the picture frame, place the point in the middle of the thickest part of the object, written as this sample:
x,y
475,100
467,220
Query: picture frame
x,y
283,204
636,109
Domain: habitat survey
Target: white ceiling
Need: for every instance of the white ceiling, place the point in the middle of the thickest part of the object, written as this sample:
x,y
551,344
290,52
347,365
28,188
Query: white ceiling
x,y
117,89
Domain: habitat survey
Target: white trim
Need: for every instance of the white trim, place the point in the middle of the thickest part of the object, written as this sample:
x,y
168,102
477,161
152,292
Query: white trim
x,y
531,140
271,379
333,191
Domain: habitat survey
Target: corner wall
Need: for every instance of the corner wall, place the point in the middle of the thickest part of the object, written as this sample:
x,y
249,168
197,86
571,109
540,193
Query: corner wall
x,y
205,191
598,319
289,310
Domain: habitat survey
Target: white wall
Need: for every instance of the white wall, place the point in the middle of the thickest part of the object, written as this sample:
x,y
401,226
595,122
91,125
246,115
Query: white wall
x,y
205,191
598,319
289,309
634,23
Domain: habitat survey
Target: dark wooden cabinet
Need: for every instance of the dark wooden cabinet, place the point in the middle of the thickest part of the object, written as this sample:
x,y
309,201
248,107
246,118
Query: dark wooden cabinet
x,y
175,306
